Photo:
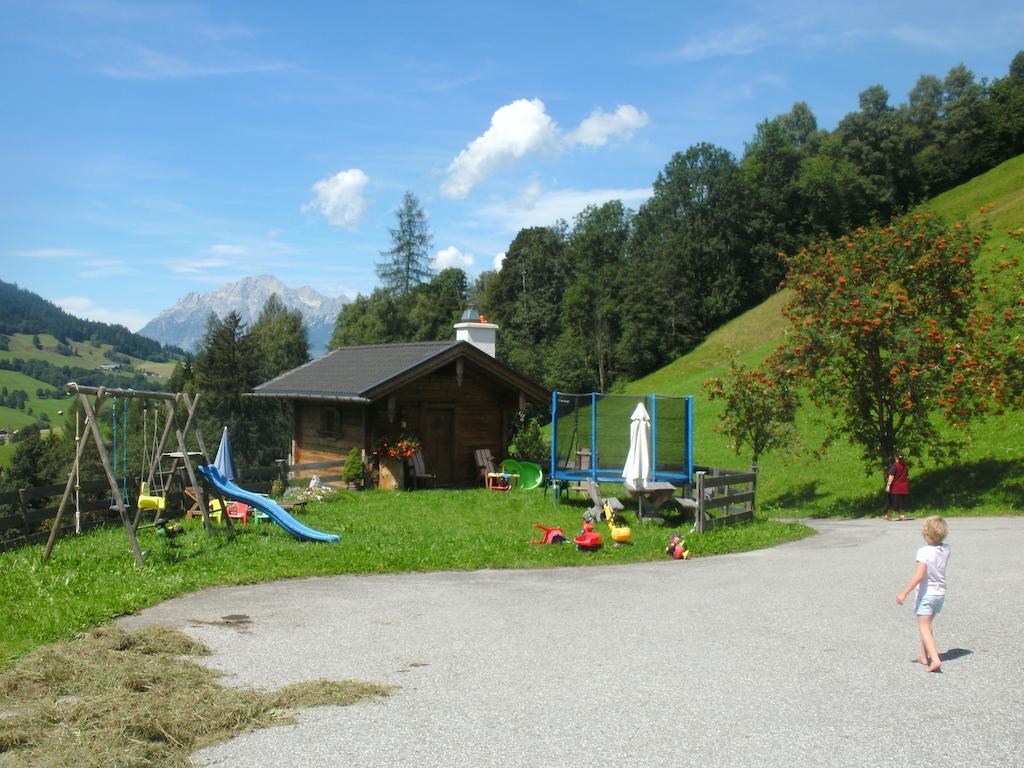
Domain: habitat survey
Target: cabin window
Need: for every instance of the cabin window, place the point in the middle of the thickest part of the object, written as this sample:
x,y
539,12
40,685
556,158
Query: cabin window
x,y
330,421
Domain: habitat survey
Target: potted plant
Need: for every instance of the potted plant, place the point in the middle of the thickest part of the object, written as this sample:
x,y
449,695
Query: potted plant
x,y
391,454
353,470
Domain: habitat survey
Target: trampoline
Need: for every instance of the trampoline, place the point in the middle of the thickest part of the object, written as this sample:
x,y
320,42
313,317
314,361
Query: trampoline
x,y
590,437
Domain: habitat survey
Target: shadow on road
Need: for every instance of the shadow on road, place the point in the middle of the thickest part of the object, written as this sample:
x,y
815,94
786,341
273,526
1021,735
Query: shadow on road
x,y
954,653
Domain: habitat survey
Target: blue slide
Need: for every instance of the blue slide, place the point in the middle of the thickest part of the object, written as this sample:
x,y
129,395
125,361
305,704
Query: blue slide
x,y
264,504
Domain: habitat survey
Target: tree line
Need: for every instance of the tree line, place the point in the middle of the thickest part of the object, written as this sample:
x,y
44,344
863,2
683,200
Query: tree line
x,y
616,293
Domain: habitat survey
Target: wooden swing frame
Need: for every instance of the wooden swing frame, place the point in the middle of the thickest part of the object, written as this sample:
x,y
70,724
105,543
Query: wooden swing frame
x,y
171,401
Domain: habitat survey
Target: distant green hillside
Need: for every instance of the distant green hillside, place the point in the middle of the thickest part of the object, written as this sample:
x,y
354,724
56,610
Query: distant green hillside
x,y
50,370
989,477
22,311
84,354
44,347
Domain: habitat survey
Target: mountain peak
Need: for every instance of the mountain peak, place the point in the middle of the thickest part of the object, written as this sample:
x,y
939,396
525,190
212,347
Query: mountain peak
x,y
185,323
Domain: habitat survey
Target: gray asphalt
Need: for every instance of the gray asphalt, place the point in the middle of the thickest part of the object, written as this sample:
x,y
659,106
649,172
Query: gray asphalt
x,y
795,656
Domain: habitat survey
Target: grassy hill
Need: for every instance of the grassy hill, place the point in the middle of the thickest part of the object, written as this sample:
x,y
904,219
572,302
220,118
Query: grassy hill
x,y
987,479
86,354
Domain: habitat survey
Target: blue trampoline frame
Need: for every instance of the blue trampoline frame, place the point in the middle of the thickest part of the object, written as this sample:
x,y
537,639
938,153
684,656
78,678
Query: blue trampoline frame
x,y
677,475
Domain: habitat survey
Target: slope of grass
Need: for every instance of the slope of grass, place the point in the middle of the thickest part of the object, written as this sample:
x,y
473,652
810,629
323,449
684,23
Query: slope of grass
x,y
987,479
86,355
13,418
1003,186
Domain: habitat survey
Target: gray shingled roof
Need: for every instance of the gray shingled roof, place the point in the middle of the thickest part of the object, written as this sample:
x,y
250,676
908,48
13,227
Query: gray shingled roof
x,y
350,372
366,373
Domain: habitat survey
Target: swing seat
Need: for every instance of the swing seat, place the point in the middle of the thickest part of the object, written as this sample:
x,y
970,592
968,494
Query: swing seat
x,y
147,501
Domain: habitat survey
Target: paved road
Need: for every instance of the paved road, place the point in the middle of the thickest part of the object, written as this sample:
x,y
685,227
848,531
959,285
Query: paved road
x,y
795,656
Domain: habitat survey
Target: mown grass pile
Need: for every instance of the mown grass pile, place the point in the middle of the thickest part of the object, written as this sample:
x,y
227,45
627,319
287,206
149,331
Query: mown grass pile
x,y
93,578
113,698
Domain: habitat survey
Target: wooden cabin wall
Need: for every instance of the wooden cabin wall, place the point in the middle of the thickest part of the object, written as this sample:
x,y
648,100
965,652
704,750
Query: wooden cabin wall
x,y
312,444
479,409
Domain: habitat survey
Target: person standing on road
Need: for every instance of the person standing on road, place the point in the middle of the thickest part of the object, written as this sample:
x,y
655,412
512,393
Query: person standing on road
x,y
930,580
897,487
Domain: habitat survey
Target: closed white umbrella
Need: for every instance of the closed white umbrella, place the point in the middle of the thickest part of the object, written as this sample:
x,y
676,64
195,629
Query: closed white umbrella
x,y
225,462
637,472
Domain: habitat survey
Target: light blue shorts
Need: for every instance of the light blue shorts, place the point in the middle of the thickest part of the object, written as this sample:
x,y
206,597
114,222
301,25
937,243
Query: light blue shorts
x,y
929,605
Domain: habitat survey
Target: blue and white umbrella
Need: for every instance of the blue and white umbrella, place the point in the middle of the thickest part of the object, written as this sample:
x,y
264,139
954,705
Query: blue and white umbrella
x,y
225,462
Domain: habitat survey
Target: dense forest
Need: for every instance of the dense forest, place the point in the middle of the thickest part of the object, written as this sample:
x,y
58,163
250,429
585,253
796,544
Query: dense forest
x,y
618,293
22,311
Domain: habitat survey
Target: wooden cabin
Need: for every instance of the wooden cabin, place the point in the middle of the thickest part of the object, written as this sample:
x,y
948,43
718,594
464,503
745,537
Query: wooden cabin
x,y
454,396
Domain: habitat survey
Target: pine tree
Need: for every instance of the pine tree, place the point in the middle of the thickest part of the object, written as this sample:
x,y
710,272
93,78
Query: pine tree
x,y
407,264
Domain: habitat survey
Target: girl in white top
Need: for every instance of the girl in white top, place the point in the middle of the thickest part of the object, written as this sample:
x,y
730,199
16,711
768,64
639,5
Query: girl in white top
x,y
930,580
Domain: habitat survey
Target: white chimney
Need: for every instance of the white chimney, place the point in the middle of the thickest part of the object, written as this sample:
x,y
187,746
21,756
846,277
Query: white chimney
x,y
474,328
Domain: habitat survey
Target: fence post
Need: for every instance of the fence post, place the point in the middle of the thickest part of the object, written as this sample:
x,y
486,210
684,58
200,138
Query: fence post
x,y
753,487
23,508
700,503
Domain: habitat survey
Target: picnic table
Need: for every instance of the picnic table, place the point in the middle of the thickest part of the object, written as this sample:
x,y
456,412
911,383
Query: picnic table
x,y
651,497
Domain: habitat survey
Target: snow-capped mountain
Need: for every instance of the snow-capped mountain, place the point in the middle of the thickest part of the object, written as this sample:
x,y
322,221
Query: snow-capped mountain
x,y
185,323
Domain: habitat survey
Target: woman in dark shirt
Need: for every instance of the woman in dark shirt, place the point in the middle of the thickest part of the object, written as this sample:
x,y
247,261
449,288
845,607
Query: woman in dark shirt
x,y
897,488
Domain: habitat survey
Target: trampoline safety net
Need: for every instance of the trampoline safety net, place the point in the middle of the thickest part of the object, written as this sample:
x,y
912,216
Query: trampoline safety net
x,y
590,436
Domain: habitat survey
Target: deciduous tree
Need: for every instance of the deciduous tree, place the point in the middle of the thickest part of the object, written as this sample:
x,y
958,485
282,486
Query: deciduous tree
x,y
759,408
888,335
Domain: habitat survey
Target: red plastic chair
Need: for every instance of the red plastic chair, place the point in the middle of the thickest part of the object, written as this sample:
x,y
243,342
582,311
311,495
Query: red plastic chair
x,y
239,511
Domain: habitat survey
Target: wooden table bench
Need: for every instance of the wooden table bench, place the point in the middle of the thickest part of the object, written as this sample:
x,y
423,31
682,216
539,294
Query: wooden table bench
x,y
652,497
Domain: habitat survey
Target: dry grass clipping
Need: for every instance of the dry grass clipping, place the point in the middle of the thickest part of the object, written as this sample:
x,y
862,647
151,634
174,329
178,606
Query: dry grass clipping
x,y
117,699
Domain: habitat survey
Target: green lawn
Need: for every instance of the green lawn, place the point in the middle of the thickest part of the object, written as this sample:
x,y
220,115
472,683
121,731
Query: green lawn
x,y
93,578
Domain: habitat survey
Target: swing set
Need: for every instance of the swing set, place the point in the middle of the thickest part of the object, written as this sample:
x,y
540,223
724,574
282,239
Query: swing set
x,y
119,490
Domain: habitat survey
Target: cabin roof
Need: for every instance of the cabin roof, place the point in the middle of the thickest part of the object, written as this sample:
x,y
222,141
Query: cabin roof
x,y
366,373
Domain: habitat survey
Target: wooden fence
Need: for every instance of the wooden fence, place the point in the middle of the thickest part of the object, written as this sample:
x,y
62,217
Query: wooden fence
x,y
731,491
26,515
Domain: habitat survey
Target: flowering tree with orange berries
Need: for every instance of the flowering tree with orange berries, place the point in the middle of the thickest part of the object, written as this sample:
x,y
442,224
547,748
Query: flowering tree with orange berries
x,y
891,333
759,408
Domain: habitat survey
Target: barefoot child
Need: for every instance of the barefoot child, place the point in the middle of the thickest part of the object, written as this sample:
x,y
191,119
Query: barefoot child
x,y
930,580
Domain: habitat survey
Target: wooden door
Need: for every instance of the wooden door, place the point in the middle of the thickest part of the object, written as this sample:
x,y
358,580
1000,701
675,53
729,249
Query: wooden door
x,y
439,442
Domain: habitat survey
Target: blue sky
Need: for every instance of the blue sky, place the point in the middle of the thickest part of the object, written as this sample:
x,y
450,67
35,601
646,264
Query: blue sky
x,y
149,149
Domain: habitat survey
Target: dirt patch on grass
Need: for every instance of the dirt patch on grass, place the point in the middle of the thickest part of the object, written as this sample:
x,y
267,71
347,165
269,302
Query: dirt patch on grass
x,y
115,699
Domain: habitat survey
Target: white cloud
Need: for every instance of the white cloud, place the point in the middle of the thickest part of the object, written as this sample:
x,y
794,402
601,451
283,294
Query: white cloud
x,y
129,62
197,266
595,130
49,253
530,195
524,127
732,42
227,249
79,306
925,37
499,259
517,129
549,207
94,268
453,257
340,198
